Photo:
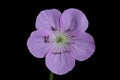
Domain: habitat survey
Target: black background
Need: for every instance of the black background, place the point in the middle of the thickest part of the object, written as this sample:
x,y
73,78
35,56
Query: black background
x,y
20,64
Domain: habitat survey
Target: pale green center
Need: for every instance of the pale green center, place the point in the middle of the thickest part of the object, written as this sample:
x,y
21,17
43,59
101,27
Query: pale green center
x,y
61,39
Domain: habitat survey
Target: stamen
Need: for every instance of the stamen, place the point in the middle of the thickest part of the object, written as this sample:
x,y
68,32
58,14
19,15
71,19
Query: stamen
x,y
72,36
67,30
46,39
54,28
56,52
61,52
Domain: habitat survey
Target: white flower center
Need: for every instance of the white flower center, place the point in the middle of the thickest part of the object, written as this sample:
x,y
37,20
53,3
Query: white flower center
x,y
61,42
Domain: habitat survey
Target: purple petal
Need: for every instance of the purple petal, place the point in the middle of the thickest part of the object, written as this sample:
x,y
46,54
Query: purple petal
x,y
83,46
73,19
48,19
37,45
60,63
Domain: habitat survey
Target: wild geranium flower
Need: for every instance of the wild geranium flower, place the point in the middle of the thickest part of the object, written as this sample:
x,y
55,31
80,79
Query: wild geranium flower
x,y
61,39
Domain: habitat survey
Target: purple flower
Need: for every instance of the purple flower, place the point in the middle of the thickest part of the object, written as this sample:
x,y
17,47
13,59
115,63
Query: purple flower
x,y
61,39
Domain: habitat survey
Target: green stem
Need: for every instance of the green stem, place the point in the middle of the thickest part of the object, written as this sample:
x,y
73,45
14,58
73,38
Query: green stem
x,y
51,76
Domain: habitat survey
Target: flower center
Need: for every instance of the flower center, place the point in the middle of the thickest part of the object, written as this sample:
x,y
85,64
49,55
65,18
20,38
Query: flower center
x,y
61,42
61,38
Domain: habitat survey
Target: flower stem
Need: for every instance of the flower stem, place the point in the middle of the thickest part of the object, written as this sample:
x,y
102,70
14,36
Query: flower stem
x,y
51,76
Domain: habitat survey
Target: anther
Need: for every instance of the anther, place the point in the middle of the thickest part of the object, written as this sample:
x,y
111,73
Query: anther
x,y
46,39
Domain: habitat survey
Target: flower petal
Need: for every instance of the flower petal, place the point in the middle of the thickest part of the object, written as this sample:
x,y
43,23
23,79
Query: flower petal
x,y
83,46
37,45
73,19
48,19
60,63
